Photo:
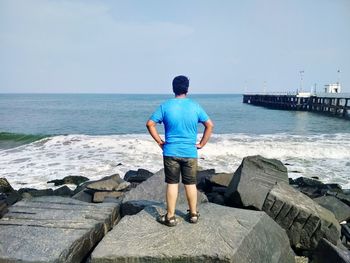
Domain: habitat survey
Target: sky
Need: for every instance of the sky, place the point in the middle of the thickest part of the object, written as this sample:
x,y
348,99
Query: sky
x,y
139,46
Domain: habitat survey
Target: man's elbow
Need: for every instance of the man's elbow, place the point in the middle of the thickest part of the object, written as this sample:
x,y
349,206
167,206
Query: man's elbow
x,y
209,124
150,124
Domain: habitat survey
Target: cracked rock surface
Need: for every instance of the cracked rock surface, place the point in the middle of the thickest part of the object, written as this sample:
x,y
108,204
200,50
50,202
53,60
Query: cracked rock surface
x,y
305,221
53,229
222,234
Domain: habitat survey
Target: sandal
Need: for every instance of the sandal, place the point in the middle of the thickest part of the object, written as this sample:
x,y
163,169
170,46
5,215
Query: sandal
x,y
193,217
167,221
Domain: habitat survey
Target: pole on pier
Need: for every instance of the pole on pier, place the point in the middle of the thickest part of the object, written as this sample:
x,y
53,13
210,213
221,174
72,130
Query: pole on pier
x,y
301,72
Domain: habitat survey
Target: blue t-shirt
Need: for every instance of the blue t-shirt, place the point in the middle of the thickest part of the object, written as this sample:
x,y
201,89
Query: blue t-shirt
x,y
180,117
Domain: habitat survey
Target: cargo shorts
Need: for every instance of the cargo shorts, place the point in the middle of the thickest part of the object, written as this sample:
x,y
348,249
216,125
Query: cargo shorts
x,y
173,166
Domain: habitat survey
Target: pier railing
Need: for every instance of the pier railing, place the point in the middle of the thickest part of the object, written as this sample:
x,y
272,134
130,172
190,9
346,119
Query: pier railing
x,y
336,105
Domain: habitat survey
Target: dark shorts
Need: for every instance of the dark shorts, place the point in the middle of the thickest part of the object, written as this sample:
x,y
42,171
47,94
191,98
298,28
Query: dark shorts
x,y
173,166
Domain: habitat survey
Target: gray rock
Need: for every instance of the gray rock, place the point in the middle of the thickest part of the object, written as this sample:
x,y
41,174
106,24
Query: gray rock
x,y
222,179
305,221
326,252
153,189
337,207
53,229
84,195
10,194
71,179
110,183
36,192
99,197
341,196
203,177
305,181
3,208
137,176
222,235
63,191
133,207
299,259
252,181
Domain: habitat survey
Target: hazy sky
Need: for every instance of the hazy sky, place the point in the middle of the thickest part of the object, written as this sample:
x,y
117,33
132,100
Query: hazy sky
x,y
139,46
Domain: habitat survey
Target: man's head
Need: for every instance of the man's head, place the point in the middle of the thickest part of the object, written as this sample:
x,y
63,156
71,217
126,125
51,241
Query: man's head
x,y
180,85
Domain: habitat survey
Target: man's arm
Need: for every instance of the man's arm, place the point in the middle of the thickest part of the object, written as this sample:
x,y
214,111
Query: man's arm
x,y
151,127
206,134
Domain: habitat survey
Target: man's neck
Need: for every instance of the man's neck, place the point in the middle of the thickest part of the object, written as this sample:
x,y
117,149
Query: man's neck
x,y
182,96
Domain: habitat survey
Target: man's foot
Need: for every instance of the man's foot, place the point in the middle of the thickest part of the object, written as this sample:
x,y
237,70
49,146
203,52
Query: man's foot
x,y
171,221
193,217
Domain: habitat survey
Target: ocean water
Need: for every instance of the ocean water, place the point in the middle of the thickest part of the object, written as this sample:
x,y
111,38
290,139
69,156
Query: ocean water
x,y
49,136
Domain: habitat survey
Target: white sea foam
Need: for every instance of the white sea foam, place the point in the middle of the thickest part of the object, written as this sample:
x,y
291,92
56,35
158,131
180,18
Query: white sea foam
x,y
32,165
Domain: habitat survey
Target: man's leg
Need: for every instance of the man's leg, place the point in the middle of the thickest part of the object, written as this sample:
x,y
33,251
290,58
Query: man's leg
x,y
172,177
189,179
191,194
171,197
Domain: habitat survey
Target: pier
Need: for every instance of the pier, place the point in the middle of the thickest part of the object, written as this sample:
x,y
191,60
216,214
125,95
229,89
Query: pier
x,y
333,104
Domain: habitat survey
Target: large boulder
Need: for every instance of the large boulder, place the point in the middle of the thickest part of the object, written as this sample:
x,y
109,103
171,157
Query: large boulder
x,y
345,198
10,194
99,197
71,179
326,252
153,190
222,235
337,207
305,221
221,179
35,192
109,183
137,176
203,177
314,188
3,208
53,229
252,181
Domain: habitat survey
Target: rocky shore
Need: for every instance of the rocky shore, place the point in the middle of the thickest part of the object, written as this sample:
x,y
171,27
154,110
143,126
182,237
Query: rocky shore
x,y
256,214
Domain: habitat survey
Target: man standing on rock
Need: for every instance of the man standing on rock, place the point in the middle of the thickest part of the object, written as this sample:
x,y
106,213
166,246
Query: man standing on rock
x,y
180,116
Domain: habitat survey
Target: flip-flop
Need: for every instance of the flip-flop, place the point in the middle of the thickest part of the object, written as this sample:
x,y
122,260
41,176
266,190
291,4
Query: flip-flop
x,y
167,221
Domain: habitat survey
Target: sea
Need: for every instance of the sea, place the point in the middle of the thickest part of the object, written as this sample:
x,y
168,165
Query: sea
x,y
50,136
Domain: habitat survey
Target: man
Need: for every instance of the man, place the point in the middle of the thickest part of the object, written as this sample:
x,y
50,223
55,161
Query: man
x,y
180,117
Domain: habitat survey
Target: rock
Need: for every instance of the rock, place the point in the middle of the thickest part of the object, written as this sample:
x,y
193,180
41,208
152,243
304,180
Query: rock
x,y
109,183
84,196
341,196
133,207
153,189
222,235
216,198
337,207
137,176
326,252
203,177
345,233
53,229
3,208
315,188
221,179
305,221
252,181
305,181
100,196
301,259
10,194
72,179
35,192
63,191
5,186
